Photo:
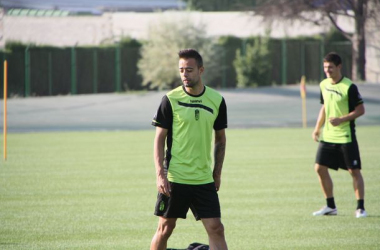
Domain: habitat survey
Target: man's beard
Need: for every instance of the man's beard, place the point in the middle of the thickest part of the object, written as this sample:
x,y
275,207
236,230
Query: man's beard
x,y
190,83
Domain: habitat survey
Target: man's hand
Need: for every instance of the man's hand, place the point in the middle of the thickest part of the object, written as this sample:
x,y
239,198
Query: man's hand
x,y
315,135
335,121
217,181
163,185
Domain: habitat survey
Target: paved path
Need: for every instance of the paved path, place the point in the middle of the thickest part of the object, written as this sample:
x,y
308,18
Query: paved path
x,y
261,107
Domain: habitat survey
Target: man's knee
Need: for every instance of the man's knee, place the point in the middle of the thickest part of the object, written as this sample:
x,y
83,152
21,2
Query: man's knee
x,y
219,229
166,227
215,228
355,173
320,169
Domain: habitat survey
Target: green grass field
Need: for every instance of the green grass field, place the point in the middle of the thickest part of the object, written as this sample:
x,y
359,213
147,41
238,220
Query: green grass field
x,y
96,190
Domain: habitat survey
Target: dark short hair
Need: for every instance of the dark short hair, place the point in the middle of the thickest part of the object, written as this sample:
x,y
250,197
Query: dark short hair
x,y
191,53
333,57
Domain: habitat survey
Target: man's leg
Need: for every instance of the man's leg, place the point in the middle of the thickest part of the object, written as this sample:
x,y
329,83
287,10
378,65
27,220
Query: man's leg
x,y
164,230
325,180
215,231
327,188
359,192
358,183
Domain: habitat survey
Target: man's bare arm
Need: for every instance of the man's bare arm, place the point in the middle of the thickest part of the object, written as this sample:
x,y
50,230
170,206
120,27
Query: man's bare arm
x,y
320,121
159,154
358,111
219,153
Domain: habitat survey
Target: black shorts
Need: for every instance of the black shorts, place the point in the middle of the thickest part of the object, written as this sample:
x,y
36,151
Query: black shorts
x,y
345,156
202,199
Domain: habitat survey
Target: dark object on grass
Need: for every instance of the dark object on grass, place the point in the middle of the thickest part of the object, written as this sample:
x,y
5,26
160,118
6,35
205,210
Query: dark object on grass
x,y
193,246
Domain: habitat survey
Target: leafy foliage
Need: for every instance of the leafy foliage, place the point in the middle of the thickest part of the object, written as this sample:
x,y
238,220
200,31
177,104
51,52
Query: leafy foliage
x,y
329,11
335,36
130,42
219,5
253,65
159,54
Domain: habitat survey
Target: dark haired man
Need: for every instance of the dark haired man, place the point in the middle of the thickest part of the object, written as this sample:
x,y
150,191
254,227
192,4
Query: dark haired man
x,y
186,119
338,147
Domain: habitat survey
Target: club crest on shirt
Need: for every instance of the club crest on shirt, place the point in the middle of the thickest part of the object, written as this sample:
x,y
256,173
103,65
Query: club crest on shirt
x,y
196,112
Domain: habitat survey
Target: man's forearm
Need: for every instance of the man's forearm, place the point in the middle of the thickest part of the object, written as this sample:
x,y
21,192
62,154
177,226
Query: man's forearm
x,y
159,157
321,119
359,110
219,153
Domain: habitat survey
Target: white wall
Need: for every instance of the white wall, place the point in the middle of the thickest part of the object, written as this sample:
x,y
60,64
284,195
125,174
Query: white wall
x,y
59,31
91,30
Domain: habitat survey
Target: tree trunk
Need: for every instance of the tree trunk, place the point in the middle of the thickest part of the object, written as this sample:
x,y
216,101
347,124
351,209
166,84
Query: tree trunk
x,y
358,42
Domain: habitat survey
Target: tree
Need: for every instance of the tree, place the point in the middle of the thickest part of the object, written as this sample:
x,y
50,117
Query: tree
x,y
159,54
218,5
253,65
359,10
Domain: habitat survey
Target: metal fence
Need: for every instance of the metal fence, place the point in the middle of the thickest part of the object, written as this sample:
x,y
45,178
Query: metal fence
x,y
62,71
34,71
290,60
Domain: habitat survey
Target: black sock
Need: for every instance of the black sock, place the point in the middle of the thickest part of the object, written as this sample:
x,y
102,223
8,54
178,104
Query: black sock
x,y
360,204
331,202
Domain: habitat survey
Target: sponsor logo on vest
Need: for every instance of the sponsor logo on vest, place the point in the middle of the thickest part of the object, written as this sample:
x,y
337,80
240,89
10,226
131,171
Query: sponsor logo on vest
x,y
195,101
196,114
333,91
